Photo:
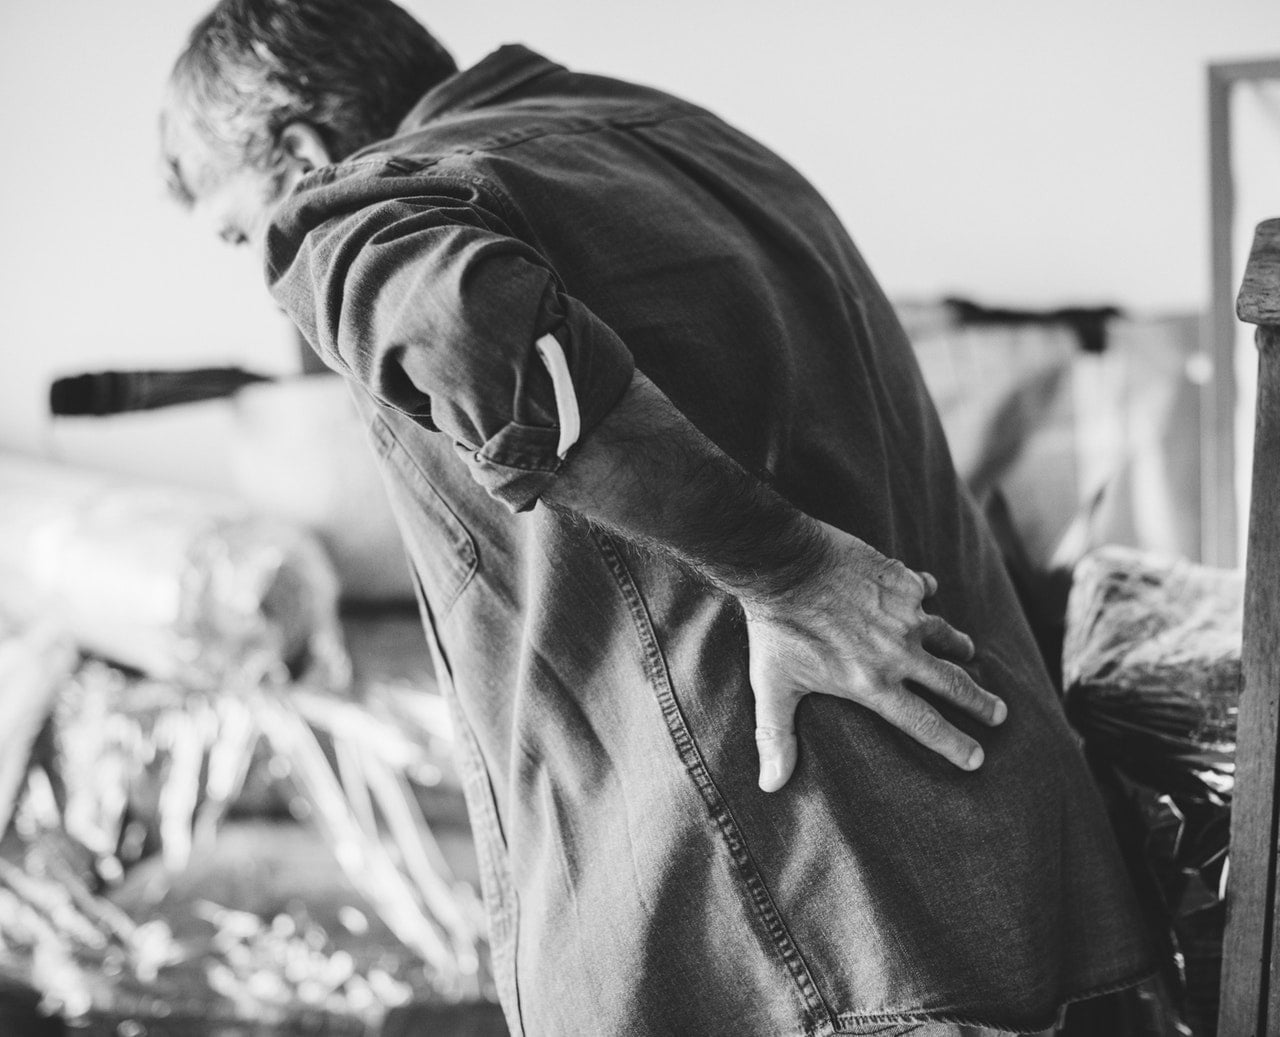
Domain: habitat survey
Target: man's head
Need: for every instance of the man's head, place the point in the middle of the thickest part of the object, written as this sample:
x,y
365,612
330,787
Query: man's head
x,y
268,89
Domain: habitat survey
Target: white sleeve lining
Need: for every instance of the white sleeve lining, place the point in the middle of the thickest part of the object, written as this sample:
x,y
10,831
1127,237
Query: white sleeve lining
x,y
570,419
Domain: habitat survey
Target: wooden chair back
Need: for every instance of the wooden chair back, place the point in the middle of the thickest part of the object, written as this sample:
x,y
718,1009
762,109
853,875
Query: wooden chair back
x,y
1250,1004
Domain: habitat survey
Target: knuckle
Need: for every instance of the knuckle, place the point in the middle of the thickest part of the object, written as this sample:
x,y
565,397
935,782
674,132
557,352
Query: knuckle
x,y
931,627
927,725
770,734
864,687
873,678
958,686
896,627
891,573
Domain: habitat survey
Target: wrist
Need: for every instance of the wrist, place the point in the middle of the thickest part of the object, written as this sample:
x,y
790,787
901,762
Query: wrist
x,y
806,553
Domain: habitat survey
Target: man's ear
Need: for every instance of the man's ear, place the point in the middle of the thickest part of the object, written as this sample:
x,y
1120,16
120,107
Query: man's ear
x,y
303,144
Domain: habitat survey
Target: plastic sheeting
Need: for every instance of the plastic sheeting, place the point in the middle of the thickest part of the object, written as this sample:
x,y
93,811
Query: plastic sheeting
x,y
1152,676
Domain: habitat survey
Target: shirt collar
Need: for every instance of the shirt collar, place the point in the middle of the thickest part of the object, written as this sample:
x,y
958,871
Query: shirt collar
x,y
486,81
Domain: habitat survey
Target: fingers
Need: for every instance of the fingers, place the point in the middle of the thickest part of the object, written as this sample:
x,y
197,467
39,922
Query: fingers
x,y
949,681
912,715
941,638
775,737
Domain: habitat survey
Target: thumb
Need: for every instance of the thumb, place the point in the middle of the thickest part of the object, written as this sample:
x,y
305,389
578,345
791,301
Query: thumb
x,y
775,737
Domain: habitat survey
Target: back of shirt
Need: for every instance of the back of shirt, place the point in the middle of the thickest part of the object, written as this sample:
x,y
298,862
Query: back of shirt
x,y
602,691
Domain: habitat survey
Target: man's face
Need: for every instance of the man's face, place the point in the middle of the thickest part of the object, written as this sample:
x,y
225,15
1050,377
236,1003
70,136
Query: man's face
x,y
238,206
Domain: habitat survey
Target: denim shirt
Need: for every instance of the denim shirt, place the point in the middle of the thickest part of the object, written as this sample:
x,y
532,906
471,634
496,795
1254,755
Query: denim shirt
x,y
637,880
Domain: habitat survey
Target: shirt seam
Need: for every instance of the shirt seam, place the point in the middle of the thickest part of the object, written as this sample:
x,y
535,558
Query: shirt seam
x,y
817,1018
502,904
649,115
387,446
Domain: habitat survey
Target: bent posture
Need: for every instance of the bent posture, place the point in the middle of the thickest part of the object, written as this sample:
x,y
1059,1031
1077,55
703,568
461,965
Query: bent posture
x,y
692,553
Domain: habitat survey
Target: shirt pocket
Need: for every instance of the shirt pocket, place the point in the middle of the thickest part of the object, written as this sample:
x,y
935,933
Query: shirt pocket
x,y
442,551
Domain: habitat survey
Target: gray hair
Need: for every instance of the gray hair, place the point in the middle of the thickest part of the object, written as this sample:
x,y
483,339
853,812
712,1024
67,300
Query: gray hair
x,y
350,68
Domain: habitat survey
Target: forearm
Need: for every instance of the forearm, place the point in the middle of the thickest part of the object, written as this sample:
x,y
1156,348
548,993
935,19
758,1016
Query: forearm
x,y
825,612
647,473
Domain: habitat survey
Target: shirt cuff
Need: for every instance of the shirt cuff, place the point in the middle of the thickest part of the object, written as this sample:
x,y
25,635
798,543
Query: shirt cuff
x,y
519,462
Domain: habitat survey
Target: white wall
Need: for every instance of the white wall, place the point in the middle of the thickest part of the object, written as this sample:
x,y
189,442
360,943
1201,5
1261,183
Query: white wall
x,y
1014,151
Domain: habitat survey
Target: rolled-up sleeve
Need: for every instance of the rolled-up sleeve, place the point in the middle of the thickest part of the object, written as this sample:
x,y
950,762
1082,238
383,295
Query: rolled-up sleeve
x,y
438,311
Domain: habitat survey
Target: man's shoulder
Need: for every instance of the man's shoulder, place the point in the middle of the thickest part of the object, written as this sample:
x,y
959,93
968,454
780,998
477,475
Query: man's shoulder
x,y
450,160
331,204
511,98
465,141
517,85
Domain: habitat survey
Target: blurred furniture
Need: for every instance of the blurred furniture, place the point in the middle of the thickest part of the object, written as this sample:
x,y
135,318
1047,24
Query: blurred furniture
x,y
293,448
1073,429
1251,957
1090,433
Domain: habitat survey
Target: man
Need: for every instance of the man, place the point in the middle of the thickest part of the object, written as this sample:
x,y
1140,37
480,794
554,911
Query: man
x,y
670,484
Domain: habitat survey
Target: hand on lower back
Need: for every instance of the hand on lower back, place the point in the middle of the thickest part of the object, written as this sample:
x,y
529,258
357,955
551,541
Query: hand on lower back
x,y
857,630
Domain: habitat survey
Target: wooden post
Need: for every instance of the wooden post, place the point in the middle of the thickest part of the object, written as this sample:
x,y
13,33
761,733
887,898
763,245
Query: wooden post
x,y
1250,1005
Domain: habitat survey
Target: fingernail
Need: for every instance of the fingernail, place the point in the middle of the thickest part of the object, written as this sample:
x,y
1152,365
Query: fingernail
x,y
999,712
770,775
975,759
